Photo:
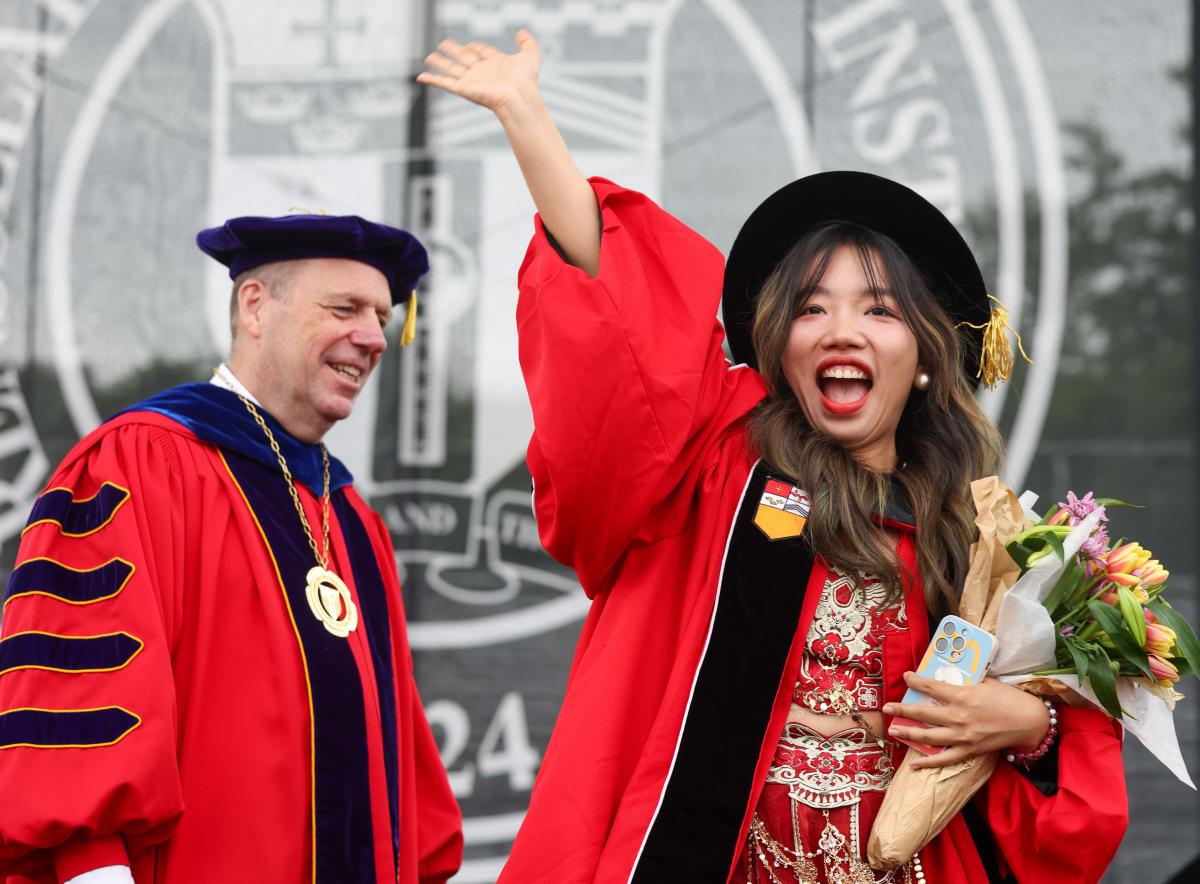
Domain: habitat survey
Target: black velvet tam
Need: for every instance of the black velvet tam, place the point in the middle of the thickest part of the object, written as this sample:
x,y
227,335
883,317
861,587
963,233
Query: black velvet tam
x,y
250,241
879,204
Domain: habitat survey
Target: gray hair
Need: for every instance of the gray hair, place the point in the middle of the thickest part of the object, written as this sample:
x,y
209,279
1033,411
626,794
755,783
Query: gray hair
x,y
276,277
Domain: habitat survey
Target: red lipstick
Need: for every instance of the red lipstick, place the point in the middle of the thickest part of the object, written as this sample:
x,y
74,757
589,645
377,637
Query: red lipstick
x,y
842,408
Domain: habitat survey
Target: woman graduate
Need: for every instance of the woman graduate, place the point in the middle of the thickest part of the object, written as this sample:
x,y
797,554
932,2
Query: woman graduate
x,y
765,544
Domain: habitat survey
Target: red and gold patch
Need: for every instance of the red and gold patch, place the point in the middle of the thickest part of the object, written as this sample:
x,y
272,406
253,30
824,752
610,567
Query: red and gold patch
x,y
782,510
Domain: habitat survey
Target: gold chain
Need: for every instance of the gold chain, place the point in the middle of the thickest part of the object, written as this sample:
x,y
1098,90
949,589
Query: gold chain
x,y
322,558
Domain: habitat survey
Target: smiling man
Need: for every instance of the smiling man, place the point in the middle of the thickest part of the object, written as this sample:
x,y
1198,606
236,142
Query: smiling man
x,y
204,672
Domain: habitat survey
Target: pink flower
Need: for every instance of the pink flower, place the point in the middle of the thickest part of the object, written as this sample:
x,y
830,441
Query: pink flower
x,y
1164,671
1096,546
1159,639
1078,509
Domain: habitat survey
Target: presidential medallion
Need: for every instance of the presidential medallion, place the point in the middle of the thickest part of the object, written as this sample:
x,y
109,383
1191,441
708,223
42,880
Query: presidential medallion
x,y
330,601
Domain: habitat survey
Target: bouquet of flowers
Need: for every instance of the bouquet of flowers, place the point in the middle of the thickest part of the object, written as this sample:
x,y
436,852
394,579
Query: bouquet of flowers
x,y
1075,619
1118,643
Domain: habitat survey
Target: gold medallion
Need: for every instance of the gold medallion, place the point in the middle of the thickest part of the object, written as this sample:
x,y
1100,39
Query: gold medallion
x,y
330,601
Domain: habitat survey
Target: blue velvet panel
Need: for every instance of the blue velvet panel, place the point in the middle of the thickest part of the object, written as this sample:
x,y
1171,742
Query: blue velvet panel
x,y
77,518
48,577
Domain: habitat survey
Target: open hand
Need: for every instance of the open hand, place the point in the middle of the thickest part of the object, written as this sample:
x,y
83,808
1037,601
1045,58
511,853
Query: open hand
x,y
972,720
481,73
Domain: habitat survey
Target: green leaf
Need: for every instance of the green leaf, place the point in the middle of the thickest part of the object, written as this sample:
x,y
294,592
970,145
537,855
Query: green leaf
x,y
1100,677
1056,544
1069,581
1185,638
1079,656
1035,547
1113,503
1020,554
1123,641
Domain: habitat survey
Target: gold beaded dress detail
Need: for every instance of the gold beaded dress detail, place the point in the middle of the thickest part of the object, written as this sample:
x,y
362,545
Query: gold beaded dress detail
x,y
822,792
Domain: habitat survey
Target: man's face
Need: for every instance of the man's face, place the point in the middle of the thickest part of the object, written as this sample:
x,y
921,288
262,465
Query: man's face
x,y
319,343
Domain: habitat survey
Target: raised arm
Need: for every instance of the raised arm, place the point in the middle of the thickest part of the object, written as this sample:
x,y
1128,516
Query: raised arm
x,y
506,84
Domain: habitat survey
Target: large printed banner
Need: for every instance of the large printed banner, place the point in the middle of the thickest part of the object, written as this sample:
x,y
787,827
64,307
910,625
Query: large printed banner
x,y
127,125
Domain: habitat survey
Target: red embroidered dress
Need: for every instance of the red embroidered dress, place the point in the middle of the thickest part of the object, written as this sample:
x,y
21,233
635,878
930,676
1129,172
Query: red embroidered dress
x,y
822,792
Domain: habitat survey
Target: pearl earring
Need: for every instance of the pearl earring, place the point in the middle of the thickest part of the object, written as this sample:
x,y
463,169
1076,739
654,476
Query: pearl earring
x,y
923,381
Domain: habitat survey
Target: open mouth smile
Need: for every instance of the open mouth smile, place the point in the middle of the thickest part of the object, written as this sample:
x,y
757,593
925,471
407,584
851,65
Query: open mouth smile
x,y
844,385
349,372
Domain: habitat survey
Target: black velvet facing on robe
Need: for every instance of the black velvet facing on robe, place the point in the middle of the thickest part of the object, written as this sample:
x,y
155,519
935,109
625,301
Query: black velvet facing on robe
x,y
376,620
345,850
694,836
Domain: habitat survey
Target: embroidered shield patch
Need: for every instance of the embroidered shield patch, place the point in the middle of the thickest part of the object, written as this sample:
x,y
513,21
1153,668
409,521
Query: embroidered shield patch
x,y
782,511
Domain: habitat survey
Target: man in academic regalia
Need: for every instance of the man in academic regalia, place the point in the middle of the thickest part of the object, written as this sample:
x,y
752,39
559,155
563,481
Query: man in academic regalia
x,y
204,671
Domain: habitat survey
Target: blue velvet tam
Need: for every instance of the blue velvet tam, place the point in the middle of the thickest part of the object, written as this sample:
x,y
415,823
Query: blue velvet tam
x,y
250,241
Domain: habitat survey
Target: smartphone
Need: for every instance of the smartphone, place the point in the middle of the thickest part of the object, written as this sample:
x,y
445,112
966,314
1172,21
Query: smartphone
x,y
958,654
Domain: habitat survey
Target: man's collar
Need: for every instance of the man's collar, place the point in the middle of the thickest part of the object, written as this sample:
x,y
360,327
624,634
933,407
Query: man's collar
x,y
216,415
224,378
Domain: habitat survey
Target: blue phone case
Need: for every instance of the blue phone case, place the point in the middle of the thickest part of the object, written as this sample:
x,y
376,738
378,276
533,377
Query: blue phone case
x,y
959,654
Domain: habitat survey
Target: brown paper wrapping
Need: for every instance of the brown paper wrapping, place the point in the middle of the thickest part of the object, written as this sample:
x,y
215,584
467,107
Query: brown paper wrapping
x,y
919,803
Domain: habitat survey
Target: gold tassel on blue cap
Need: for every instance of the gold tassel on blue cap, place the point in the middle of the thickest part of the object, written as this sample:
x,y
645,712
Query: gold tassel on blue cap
x,y
996,356
410,321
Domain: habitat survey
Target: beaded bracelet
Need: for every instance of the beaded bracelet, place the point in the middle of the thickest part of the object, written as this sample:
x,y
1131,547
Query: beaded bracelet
x,y
1027,758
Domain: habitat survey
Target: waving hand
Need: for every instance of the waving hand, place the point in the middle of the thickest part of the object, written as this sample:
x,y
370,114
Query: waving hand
x,y
483,74
506,83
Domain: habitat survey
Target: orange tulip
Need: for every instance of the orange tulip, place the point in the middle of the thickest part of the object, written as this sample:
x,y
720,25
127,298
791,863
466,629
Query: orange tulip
x,y
1159,639
1164,671
1121,563
1152,573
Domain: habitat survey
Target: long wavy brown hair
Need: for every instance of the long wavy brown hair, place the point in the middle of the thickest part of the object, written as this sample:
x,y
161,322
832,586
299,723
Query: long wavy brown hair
x,y
943,440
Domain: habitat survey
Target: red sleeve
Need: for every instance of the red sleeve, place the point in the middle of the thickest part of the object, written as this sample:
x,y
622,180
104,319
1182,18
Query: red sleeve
x,y
626,377
87,701
1072,835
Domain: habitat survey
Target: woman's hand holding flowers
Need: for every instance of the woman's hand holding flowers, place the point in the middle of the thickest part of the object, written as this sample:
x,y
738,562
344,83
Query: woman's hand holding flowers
x,y
971,720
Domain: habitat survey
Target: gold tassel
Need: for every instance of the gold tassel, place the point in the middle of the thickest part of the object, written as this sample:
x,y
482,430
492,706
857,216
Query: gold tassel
x,y
410,321
996,357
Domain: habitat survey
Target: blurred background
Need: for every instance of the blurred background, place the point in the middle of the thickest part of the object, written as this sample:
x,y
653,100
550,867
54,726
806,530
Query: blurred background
x,y
1057,133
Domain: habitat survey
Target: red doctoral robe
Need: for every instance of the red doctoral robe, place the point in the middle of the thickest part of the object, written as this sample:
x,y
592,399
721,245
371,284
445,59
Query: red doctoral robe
x,y
167,698
645,483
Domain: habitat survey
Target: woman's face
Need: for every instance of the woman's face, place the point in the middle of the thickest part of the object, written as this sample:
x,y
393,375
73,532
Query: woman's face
x,y
851,360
